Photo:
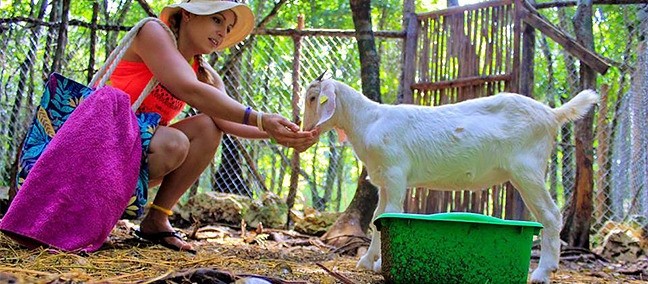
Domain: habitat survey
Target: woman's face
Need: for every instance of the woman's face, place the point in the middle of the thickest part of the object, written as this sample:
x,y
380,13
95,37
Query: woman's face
x,y
206,33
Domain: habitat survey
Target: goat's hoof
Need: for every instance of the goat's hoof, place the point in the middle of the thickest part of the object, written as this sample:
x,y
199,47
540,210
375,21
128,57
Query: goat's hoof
x,y
377,267
541,276
365,262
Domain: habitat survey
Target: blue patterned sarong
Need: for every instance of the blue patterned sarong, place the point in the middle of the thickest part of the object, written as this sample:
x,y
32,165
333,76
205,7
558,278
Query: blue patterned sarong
x,y
60,98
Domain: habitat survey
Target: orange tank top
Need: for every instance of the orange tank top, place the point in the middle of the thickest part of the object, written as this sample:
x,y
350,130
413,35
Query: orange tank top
x,y
132,77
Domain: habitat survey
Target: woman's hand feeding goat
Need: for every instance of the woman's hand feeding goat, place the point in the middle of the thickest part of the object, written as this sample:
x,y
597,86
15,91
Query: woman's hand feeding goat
x,y
465,146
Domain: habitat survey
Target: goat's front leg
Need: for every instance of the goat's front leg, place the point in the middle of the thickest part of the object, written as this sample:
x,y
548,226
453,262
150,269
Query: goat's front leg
x,y
373,252
390,199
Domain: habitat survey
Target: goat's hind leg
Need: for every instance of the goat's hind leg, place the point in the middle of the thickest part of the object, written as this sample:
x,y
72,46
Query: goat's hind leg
x,y
530,184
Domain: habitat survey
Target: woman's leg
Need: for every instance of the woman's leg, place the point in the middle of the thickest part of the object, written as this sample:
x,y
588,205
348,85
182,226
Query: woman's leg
x,y
178,155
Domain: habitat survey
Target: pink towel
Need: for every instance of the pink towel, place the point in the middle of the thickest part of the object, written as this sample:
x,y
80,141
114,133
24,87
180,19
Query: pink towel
x,y
82,183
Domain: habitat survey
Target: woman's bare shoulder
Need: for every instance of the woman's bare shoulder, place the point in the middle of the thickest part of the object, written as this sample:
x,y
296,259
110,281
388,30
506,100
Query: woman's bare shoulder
x,y
154,30
151,38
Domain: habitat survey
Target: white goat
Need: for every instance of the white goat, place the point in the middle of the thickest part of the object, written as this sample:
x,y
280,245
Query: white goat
x,y
469,145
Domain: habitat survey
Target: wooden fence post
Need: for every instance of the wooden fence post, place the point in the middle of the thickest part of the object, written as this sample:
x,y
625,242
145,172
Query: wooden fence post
x,y
294,161
411,26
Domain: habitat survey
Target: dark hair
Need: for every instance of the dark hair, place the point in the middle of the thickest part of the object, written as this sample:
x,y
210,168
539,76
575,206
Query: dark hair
x,y
203,75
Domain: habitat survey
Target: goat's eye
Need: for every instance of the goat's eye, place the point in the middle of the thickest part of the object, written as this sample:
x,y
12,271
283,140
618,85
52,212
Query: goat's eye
x,y
312,99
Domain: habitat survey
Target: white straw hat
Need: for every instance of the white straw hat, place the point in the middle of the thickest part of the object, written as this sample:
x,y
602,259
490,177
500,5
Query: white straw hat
x,y
244,17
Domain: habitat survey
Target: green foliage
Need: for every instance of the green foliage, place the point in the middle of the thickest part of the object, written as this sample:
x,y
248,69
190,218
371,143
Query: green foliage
x,y
318,14
616,35
14,8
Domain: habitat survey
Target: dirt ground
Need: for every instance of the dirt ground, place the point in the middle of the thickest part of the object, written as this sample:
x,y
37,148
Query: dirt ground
x,y
277,256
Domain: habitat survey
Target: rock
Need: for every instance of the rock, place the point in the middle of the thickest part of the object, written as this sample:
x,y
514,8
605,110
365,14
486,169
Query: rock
x,y
622,245
270,210
313,222
215,207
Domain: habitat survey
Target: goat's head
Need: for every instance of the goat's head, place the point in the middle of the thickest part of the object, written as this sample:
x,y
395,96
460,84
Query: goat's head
x,y
319,103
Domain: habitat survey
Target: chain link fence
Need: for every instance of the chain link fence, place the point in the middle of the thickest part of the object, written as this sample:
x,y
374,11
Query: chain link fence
x,y
259,73
620,146
266,85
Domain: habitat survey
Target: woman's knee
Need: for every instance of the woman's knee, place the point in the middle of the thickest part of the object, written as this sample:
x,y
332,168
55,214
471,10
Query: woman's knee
x,y
178,146
172,144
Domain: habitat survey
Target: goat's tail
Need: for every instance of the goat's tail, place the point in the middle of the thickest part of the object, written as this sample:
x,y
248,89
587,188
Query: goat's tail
x,y
577,107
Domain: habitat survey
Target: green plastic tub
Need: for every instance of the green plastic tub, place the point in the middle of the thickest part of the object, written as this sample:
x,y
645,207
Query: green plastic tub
x,y
455,248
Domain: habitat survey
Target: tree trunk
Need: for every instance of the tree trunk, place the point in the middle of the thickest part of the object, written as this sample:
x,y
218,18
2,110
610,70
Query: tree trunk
x,y
116,19
579,211
93,41
341,169
356,218
51,35
61,41
408,57
603,131
316,200
369,59
294,103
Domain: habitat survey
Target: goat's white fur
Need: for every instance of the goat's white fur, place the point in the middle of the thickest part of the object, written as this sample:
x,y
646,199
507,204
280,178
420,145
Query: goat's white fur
x,y
469,145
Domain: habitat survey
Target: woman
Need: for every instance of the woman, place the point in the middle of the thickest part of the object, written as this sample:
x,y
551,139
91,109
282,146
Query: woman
x,y
180,151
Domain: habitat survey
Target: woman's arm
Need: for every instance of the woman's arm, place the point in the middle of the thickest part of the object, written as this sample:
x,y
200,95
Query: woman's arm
x,y
240,130
153,45
233,128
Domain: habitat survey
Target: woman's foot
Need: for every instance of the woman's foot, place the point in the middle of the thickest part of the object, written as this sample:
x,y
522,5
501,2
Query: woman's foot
x,y
156,228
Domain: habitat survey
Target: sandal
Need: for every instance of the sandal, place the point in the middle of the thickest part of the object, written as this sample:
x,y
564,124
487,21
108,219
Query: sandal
x,y
159,239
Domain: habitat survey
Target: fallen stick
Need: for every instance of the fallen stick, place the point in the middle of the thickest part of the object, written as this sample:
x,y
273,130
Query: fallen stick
x,y
335,274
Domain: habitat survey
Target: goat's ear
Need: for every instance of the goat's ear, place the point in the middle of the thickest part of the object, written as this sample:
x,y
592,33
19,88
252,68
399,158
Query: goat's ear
x,y
327,101
319,78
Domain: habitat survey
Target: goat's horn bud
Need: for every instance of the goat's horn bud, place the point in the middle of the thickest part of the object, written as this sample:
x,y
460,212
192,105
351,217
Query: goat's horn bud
x,y
319,78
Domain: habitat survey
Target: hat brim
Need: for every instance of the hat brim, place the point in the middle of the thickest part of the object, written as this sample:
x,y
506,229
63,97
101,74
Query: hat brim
x,y
244,17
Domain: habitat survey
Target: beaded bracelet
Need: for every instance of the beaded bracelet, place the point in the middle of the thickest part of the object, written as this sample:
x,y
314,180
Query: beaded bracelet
x,y
246,116
260,120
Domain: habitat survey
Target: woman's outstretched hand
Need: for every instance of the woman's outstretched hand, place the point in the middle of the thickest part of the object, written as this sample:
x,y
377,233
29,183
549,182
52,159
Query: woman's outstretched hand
x,y
288,134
